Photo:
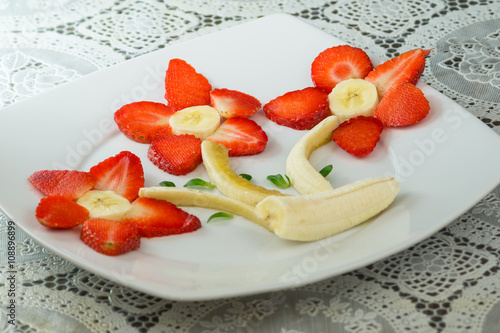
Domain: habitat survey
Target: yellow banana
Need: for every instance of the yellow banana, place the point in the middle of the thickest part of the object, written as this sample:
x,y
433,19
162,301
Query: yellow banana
x,y
303,176
229,183
196,198
316,216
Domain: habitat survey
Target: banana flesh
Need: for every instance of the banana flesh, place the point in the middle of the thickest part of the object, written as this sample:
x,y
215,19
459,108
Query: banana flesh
x,y
304,178
196,198
105,204
321,213
200,121
316,216
229,183
352,98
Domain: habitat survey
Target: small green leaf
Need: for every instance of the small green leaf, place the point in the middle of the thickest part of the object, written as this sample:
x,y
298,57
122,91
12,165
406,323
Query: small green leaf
x,y
246,176
197,182
220,215
167,183
279,180
326,170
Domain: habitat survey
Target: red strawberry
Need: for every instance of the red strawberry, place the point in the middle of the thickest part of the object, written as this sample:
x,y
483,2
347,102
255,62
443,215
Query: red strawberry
x,y
406,67
242,136
233,103
68,183
156,218
60,212
121,173
110,237
184,87
176,154
298,109
144,121
403,104
337,64
358,136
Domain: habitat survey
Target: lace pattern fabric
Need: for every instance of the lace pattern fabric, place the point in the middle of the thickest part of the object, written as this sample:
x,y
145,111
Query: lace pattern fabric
x,y
447,283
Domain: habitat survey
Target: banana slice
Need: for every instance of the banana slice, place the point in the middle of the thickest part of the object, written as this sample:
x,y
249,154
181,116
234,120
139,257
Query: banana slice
x,y
352,98
216,161
304,177
201,121
316,216
196,198
105,204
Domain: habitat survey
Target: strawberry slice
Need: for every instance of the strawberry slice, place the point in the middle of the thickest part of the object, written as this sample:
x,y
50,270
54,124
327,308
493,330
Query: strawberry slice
x,y
242,136
298,109
144,121
156,218
407,67
358,136
60,212
68,183
111,238
233,103
122,174
176,154
337,64
184,87
402,105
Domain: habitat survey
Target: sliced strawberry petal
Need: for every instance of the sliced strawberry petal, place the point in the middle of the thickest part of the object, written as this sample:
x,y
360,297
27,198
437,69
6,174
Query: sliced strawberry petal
x,y
69,183
111,238
144,121
122,173
407,67
242,136
337,64
60,212
402,105
233,103
184,87
358,136
299,109
156,218
176,154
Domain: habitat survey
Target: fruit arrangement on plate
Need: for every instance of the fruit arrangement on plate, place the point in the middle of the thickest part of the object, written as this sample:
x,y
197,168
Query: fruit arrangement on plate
x,y
350,103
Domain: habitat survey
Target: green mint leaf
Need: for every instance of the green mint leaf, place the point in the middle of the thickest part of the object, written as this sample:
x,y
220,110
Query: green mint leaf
x,y
279,180
326,170
197,182
220,215
167,183
247,177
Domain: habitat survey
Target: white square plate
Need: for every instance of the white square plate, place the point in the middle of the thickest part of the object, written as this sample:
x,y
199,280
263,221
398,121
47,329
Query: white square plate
x,y
445,164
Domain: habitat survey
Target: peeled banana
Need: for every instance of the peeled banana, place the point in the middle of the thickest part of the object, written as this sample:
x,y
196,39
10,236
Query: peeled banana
x,y
196,198
316,216
352,98
304,178
105,204
216,160
200,121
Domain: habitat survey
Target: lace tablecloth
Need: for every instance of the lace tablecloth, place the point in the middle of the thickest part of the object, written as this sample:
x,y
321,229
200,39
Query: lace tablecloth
x,y
447,283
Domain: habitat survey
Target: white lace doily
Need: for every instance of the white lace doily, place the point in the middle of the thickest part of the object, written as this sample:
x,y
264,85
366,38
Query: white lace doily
x,y
447,283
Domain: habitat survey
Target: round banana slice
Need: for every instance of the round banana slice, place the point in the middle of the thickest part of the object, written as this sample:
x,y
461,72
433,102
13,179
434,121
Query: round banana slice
x,y
105,204
200,121
352,98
